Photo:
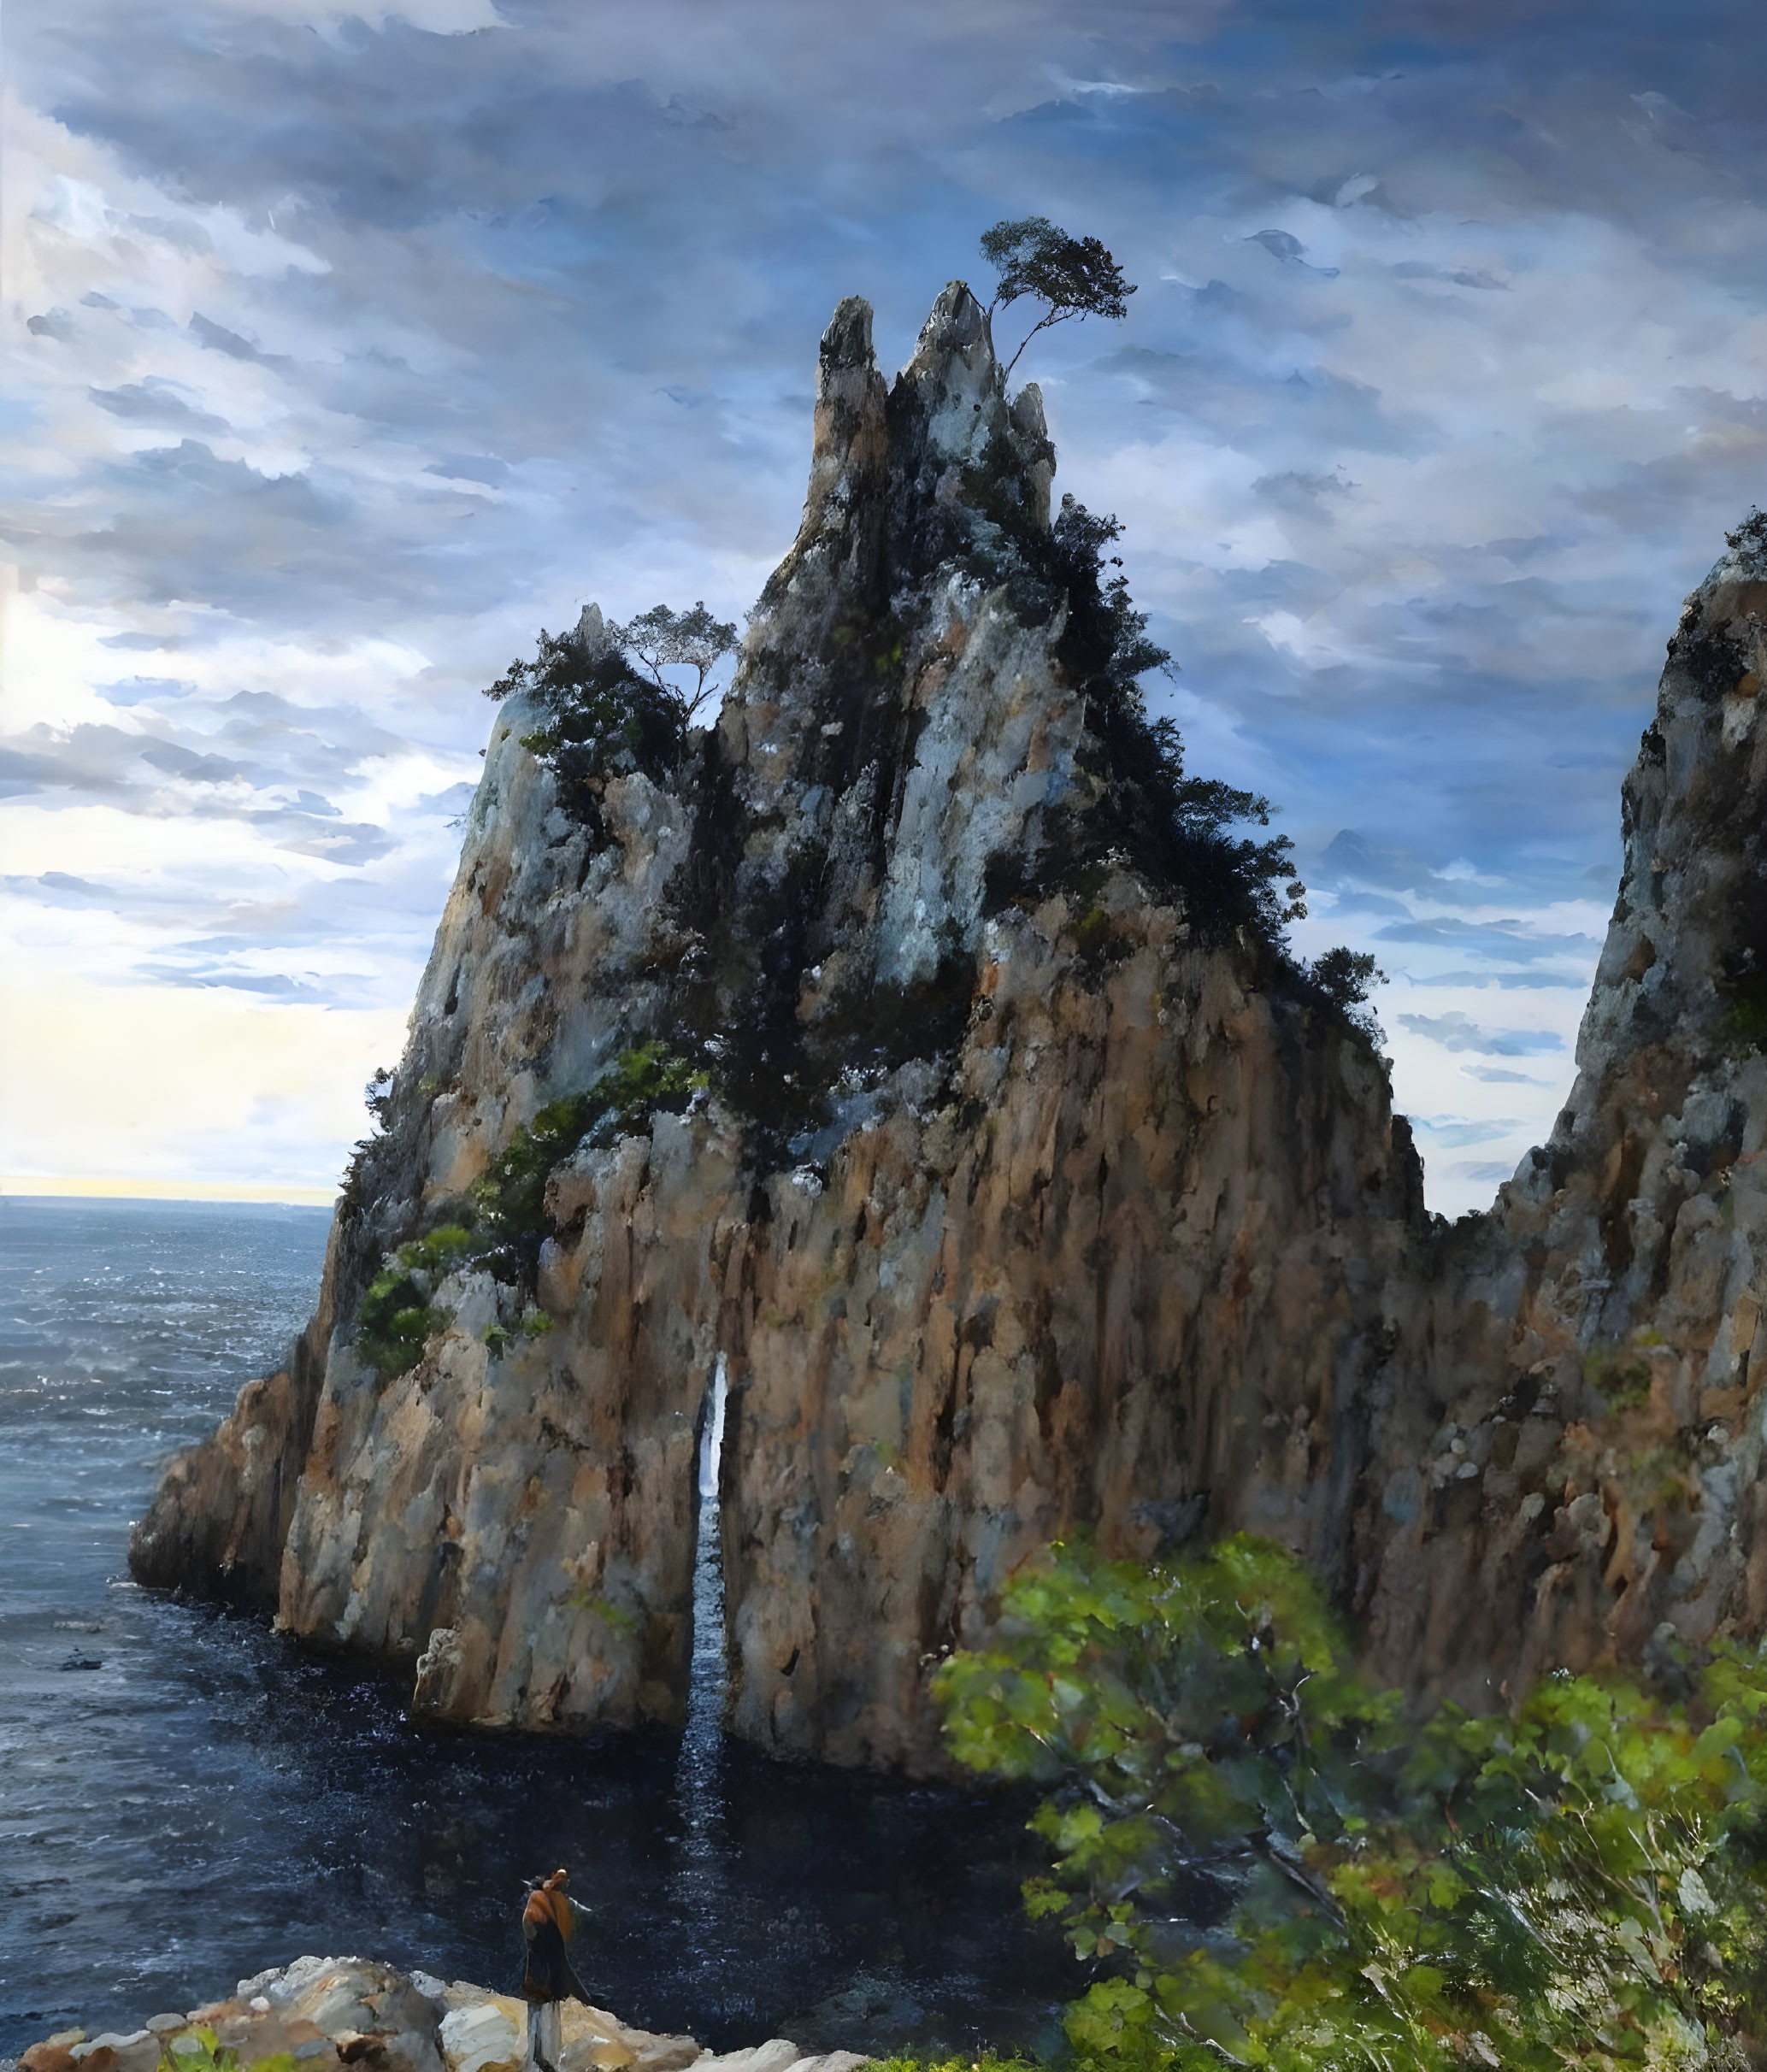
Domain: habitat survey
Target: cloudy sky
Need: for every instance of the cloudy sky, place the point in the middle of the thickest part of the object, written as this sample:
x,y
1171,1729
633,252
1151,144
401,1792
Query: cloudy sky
x,y
347,348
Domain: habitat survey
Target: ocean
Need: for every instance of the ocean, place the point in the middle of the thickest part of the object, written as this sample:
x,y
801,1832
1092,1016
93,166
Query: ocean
x,y
185,1798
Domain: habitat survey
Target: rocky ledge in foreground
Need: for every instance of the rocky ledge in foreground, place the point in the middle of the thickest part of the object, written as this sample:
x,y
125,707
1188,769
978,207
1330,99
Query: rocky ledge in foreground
x,y
327,2012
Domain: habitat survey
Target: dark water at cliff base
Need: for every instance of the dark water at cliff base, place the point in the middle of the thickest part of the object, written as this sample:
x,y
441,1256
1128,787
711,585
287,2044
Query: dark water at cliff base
x,y
186,1799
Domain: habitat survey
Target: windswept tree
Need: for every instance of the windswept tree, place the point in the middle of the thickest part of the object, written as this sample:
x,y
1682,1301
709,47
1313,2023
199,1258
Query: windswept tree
x,y
1071,277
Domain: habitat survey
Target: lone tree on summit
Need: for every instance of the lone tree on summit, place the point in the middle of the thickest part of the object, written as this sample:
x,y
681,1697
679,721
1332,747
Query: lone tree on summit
x,y
1070,276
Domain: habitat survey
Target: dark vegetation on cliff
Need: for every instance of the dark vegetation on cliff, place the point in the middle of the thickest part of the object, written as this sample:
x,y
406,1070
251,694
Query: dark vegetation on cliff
x,y
605,718
602,718
508,1221
1261,1860
646,1080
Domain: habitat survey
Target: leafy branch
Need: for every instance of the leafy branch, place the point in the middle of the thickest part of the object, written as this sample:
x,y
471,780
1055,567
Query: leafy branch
x,y
1264,1864
660,639
604,705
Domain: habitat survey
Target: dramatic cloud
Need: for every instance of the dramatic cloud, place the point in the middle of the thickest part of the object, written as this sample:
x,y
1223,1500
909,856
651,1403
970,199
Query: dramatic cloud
x,y
1456,1032
350,345
1452,1132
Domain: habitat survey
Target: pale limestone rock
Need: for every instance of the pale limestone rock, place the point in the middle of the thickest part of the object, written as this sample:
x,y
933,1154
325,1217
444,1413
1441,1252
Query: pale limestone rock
x,y
327,2012
138,2051
777,2055
489,2036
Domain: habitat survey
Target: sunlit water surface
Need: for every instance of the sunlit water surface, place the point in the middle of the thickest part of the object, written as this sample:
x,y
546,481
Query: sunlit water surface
x,y
186,1799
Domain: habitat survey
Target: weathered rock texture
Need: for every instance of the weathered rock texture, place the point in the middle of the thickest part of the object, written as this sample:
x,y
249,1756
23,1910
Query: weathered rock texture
x,y
330,2012
1029,1193
1592,1490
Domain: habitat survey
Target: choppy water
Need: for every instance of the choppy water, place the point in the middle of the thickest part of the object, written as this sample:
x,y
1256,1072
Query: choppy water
x,y
186,1799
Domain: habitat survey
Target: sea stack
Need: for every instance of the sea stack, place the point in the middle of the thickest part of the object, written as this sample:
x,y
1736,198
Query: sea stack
x,y
1020,1184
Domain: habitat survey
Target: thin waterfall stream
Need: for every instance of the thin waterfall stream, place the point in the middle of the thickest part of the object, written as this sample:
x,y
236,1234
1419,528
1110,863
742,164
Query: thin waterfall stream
x,y
700,1772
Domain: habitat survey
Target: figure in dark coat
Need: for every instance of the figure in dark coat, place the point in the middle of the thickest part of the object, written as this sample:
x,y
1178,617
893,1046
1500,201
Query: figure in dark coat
x,y
548,1921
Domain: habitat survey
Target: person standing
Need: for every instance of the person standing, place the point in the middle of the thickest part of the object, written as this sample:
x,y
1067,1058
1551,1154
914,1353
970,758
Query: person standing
x,y
548,1921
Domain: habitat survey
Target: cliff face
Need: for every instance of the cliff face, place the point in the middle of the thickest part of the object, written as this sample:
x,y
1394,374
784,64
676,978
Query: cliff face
x,y
1025,1190
1593,1369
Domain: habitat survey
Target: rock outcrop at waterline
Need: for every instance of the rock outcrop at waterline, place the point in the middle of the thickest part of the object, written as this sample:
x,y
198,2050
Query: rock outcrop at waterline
x,y
1028,1191
328,2012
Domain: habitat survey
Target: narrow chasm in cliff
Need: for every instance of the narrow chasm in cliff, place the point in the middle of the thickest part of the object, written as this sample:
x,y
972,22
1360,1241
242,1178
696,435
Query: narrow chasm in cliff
x,y
708,1685
702,1781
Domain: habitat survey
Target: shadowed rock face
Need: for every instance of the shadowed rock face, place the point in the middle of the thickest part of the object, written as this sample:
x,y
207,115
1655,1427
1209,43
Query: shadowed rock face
x,y
1594,1480
1026,1194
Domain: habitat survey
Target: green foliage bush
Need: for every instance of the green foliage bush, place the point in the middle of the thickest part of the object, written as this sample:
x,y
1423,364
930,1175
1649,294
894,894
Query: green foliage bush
x,y
1619,1375
1263,1863
984,2061
510,1194
395,1318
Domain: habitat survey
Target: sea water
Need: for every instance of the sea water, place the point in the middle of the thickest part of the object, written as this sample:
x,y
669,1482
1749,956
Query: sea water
x,y
186,1798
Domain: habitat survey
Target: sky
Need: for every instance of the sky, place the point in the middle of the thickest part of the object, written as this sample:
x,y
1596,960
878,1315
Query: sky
x,y
346,350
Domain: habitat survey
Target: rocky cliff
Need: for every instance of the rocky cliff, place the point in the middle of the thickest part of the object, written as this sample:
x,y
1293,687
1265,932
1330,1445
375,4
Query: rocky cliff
x,y
1578,1478
1022,1184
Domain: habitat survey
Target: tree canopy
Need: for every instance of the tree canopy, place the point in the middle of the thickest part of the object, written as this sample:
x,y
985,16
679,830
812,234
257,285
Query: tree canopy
x,y
1071,277
1262,1862
606,707
659,639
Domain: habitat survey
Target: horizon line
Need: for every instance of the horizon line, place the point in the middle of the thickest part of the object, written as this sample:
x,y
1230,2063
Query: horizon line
x,y
290,1193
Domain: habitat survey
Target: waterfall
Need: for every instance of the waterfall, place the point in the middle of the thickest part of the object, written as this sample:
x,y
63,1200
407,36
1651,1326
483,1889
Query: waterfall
x,y
700,1776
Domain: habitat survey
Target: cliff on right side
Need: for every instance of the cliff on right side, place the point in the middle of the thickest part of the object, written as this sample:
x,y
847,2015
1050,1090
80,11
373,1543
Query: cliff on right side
x,y
1580,1478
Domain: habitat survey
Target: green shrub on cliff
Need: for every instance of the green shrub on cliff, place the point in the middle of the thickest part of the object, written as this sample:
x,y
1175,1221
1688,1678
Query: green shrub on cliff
x,y
1619,1374
510,1194
395,1320
1260,1863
